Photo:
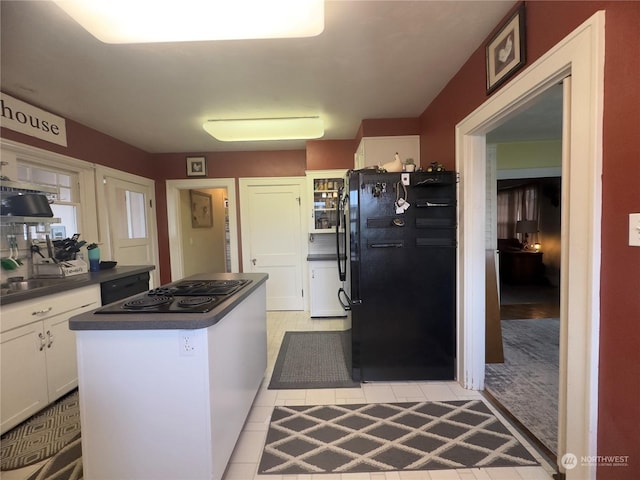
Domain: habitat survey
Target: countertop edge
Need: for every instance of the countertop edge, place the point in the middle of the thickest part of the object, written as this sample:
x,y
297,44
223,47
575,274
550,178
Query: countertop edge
x,y
58,285
168,321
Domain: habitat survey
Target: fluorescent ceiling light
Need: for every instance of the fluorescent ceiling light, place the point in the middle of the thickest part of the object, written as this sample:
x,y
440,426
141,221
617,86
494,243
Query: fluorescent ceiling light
x,y
145,21
253,129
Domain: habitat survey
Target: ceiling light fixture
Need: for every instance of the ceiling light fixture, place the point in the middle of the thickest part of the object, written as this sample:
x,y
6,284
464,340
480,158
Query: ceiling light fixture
x,y
145,21
255,129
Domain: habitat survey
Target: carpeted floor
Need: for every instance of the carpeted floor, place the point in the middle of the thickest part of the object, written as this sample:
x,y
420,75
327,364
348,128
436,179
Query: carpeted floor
x,y
43,435
388,437
312,360
526,384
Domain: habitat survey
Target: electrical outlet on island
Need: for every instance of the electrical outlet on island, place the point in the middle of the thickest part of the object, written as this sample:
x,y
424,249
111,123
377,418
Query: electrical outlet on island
x,y
187,343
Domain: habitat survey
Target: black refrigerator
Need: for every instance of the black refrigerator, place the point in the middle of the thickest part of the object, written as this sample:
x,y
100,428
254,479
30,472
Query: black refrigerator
x,y
396,243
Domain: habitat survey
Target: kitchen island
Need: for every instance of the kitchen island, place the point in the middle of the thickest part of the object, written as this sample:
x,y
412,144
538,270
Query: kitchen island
x,y
164,396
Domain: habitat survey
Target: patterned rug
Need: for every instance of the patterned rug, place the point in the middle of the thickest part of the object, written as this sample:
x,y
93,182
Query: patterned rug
x,y
388,437
312,360
43,435
526,384
64,465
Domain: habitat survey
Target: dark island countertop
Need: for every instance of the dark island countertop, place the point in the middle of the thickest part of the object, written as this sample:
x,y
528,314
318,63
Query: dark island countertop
x,y
57,285
172,321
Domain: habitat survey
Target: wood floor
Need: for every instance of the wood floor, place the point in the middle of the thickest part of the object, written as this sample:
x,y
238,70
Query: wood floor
x,y
529,311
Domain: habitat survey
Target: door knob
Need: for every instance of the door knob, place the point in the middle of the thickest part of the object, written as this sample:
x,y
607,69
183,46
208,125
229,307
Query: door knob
x,y
253,260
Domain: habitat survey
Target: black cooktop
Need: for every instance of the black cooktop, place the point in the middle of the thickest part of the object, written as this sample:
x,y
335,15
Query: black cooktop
x,y
188,296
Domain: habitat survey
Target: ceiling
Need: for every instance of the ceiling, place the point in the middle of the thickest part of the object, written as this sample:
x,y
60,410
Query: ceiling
x,y
375,59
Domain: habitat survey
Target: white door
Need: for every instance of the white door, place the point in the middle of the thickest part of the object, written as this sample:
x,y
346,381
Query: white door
x,y
130,213
272,234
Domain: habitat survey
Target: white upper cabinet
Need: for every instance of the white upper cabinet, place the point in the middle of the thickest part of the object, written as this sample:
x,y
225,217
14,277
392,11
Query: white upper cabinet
x,y
324,186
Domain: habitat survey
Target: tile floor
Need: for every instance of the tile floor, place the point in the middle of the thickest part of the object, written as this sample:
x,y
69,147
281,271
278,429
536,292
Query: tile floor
x,y
244,461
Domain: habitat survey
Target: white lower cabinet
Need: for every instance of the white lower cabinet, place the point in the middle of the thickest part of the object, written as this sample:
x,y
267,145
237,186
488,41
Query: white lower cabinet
x,y
324,285
38,352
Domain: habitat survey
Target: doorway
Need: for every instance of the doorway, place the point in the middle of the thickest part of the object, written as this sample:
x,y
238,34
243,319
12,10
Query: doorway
x,y
183,235
204,231
524,163
581,56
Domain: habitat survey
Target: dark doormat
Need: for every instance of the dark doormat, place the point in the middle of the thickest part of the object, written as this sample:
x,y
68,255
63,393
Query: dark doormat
x,y
388,437
43,435
313,360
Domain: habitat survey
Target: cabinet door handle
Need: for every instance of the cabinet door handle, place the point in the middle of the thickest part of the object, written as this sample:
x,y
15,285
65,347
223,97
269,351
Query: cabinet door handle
x,y
253,260
43,343
50,335
42,312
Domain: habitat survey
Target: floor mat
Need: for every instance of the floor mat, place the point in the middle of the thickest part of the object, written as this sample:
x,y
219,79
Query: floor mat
x,y
313,360
388,437
43,435
64,465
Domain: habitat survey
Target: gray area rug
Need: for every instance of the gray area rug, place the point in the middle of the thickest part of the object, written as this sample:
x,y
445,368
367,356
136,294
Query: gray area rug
x,y
526,384
43,435
312,360
388,437
64,465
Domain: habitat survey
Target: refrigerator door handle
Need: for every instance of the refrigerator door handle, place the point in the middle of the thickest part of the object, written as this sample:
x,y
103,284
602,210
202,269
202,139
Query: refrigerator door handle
x,y
342,256
387,245
346,306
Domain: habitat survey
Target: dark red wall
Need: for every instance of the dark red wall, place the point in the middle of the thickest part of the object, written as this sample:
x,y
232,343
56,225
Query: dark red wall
x,y
326,154
92,146
547,24
172,166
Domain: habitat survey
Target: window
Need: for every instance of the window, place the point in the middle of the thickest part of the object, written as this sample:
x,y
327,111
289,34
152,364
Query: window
x,y
67,202
516,202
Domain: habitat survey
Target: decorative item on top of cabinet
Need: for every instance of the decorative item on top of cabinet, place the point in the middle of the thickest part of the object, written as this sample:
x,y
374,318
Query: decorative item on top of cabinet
x,y
324,187
376,151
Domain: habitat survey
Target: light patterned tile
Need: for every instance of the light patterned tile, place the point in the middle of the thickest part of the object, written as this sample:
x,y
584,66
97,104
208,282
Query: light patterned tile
x,y
241,471
404,391
503,473
286,396
533,473
466,474
445,475
356,476
249,447
321,396
417,475
326,476
260,415
265,398
437,391
378,393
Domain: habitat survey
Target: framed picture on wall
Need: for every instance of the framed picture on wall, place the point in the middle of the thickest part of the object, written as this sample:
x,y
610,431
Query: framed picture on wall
x,y
201,209
196,167
506,52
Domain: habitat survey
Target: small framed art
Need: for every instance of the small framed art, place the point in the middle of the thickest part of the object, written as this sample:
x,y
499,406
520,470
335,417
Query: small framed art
x,y
201,209
506,50
196,167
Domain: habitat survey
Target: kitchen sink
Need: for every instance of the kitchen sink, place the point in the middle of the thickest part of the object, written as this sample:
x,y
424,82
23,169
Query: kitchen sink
x,y
22,285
